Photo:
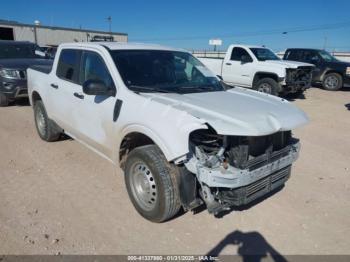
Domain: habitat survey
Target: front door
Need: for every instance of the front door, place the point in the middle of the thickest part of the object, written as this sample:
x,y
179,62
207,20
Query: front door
x,y
94,122
237,70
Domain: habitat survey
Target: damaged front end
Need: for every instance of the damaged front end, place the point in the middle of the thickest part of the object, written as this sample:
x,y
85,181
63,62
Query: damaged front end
x,y
298,79
235,170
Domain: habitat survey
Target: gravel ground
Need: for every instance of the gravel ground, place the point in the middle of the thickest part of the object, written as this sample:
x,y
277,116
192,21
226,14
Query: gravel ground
x,y
62,198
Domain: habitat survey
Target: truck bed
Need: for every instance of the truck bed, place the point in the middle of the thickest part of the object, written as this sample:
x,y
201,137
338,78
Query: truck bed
x,y
214,64
42,68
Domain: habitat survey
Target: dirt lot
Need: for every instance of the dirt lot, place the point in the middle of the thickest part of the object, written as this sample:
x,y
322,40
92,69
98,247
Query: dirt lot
x,y
61,197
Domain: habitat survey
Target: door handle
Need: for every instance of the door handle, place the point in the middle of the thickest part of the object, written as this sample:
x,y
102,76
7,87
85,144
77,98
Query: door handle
x,y
228,64
54,86
80,96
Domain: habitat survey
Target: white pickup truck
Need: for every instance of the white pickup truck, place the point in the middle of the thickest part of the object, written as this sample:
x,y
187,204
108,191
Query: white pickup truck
x,y
259,68
181,138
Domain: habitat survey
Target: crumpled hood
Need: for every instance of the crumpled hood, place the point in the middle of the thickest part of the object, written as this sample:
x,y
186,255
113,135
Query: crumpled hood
x,y
238,111
23,63
287,63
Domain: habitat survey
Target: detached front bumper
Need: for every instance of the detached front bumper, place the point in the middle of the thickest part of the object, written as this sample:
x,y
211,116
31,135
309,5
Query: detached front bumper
x,y
257,169
13,88
225,186
246,194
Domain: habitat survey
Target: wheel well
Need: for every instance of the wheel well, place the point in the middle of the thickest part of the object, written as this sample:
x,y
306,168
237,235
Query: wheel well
x,y
333,71
35,97
330,72
130,142
261,75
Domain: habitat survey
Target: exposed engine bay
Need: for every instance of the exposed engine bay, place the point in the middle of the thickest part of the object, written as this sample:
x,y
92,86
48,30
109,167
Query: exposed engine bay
x,y
235,170
299,77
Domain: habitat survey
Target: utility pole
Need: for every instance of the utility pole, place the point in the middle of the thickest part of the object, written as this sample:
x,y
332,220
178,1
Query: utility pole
x,y
36,24
325,43
109,19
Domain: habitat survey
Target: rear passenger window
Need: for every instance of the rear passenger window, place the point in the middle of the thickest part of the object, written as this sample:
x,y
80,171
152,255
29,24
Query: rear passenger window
x,y
68,65
308,56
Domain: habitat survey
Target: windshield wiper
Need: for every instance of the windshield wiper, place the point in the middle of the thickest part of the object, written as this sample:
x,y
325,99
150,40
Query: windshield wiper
x,y
137,88
198,88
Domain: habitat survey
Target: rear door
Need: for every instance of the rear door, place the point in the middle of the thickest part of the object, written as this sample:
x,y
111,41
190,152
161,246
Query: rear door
x,y
65,82
236,72
312,57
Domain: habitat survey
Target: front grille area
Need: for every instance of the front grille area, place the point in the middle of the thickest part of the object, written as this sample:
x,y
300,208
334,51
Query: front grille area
x,y
267,158
254,152
245,195
302,74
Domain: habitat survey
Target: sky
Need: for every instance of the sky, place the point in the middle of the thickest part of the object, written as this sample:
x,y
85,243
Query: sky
x,y
190,24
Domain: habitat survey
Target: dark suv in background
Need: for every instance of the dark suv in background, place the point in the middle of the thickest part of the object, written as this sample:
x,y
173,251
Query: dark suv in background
x,y
329,71
15,58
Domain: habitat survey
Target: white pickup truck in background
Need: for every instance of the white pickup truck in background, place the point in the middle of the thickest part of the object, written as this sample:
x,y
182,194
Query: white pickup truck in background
x,y
259,68
181,138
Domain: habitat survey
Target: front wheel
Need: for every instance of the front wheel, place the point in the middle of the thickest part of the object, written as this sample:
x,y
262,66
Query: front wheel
x,y
267,85
332,82
151,183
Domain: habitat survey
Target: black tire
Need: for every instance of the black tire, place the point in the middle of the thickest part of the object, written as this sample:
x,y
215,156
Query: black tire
x,y
4,101
332,82
46,128
160,179
299,93
267,85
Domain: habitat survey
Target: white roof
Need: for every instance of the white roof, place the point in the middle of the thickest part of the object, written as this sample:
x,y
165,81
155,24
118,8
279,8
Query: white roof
x,y
125,45
249,46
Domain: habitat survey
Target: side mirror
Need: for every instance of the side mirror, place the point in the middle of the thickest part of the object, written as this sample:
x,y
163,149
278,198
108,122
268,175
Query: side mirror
x,y
245,59
40,53
97,88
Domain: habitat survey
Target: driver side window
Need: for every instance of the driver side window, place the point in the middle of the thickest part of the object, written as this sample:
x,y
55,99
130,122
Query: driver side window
x,y
238,52
310,57
94,68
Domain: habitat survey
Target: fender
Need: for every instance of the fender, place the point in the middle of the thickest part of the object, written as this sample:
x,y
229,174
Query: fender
x,y
329,70
267,73
172,149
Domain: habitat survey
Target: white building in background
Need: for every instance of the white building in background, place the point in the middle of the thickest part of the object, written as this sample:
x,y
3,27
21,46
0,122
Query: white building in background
x,y
52,35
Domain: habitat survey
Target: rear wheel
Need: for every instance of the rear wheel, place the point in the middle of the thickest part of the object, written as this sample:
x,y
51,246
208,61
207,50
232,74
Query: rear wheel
x,y
151,184
332,82
46,128
267,85
4,101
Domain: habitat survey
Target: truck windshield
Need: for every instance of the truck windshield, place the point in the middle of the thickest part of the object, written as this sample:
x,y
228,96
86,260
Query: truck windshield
x,y
327,56
164,71
263,54
14,51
